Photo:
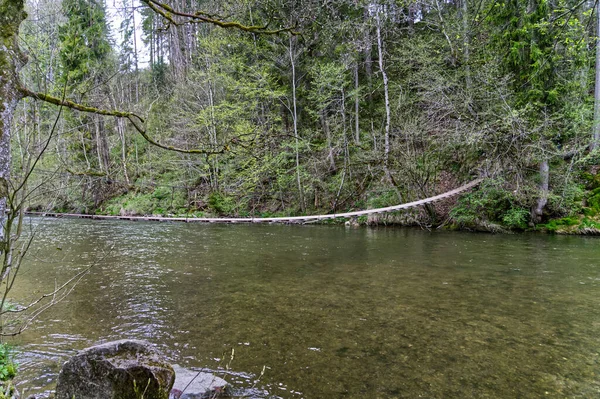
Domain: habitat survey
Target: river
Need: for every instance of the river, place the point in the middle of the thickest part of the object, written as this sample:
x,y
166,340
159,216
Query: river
x,y
330,311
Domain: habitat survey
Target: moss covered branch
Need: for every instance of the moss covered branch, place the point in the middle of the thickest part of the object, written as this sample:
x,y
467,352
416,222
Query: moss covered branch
x,y
170,14
137,121
79,107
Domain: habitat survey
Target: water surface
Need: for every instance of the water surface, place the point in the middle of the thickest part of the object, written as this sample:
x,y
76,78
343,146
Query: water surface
x,y
331,312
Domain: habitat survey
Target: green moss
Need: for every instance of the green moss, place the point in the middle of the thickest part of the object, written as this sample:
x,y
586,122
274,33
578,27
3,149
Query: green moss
x,y
590,223
11,15
556,225
3,187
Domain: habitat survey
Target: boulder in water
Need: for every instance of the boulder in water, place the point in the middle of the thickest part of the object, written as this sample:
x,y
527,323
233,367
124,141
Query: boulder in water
x,y
116,370
191,384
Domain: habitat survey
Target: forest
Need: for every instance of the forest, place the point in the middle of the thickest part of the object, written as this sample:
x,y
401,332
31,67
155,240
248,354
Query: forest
x,y
263,109
273,108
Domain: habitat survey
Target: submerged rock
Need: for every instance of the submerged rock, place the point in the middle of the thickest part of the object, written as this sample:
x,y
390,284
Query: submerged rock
x,y
191,384
116,370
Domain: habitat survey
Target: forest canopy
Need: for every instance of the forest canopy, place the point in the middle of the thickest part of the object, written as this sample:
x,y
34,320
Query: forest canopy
x,y
292,108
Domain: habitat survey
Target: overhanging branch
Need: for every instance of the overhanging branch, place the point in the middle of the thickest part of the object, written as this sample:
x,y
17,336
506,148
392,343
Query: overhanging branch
x,y
170,14
137,121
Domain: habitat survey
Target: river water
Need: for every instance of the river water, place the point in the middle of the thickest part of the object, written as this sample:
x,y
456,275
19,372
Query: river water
x,y
331,312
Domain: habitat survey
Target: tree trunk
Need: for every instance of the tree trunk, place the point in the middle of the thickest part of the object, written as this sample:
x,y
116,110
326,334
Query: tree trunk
x,y
121,131
356,106
295,121
543,200
596,129
388,112
325,127
135,54
386,92
11,60
466,45
369,72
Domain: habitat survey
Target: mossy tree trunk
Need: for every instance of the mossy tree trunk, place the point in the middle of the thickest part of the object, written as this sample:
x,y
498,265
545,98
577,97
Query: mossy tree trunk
x,y
12,13
596,125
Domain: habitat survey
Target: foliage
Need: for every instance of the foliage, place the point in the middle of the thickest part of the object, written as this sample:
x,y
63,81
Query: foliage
x,y
588,223
8,369
84,40
160,201
593,199
490,202
220,203
499,95
592,181
593,203
516,218
383,199
567,197
558,224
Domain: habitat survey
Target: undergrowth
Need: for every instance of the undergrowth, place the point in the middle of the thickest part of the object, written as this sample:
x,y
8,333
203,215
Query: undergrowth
x,y
8,370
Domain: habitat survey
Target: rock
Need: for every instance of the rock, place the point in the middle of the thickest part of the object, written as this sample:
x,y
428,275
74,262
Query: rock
x,y
191,384
126,369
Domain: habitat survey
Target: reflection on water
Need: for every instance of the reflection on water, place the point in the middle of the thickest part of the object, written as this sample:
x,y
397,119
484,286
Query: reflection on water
x,y
331,312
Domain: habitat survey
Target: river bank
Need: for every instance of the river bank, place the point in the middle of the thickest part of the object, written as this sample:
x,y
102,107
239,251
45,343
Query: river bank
x,y
495,205
563,226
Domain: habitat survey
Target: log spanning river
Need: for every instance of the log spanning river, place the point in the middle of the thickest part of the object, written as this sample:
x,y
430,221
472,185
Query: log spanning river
x,y
331,312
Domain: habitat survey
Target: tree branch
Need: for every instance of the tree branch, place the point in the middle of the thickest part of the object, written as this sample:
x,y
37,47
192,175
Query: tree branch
x,y
169,13
79,107
136,120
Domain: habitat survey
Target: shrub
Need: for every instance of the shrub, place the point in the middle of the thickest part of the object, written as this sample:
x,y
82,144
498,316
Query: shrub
x,y
489,203
221,203
516,218
8,368
593,199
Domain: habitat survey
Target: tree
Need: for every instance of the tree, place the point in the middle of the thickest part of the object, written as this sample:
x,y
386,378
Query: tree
x,y
543,46
596,130
12,13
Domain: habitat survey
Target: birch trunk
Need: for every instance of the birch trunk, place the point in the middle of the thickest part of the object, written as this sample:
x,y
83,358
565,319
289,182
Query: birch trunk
x,y
369,73
356,106
386,92
295,123
135,54
466,45
388,113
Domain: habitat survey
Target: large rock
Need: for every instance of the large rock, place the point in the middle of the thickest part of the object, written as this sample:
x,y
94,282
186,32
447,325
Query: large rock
x,y
191,384
126,369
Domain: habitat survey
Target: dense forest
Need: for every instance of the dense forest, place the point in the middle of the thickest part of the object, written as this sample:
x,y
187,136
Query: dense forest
x,y
258,108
